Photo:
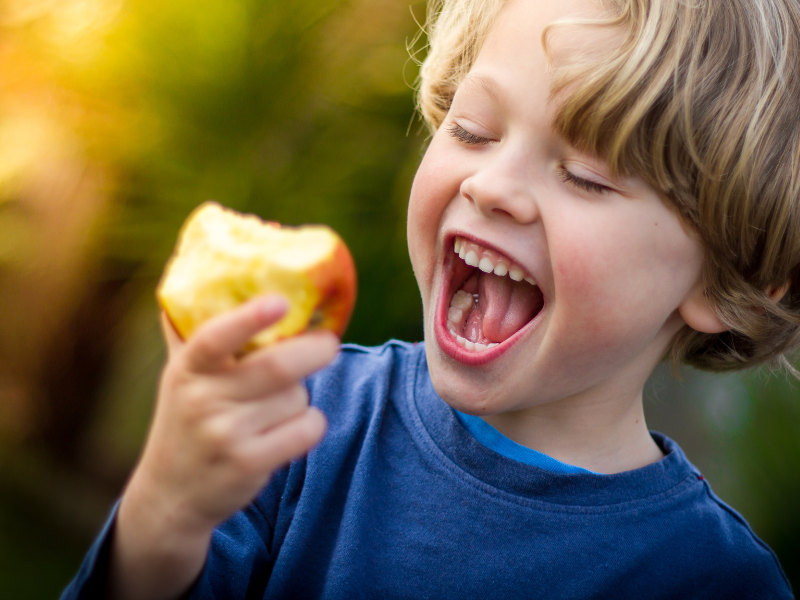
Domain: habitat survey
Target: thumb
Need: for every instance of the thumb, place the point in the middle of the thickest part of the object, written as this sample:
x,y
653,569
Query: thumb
x,y
171,337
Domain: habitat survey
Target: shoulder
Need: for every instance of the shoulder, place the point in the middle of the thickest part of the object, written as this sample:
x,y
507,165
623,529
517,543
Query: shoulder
x,y
719,546
742,556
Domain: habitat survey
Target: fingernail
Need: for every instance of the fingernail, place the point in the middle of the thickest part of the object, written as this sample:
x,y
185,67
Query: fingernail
x,y
275,301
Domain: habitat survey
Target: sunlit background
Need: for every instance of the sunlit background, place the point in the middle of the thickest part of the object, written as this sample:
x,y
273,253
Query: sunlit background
x,y
117,117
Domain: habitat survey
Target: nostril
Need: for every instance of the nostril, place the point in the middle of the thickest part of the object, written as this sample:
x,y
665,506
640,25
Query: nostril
x,y
466,193
503,212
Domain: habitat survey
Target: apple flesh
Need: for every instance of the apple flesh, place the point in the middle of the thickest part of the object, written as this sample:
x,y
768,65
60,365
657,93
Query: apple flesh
x,y
224,258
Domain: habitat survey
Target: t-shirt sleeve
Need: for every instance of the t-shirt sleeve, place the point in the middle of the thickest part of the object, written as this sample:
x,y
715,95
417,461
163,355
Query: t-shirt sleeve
x,y
239,560
243,548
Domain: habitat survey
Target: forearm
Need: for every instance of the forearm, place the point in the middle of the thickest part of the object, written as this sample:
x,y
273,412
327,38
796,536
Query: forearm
x,y
154,554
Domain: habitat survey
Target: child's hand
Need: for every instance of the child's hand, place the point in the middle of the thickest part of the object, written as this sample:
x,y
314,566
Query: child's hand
x,y
222,426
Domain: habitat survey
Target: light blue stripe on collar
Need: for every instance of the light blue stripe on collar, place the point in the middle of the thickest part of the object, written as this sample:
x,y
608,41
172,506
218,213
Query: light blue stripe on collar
x,y
494,440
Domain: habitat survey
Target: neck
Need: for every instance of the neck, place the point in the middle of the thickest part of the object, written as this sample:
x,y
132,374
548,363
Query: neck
x,y
605,435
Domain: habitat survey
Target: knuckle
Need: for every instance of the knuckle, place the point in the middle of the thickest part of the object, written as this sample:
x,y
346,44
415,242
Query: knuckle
x,y
245,465
290,402
195,402
174,374
278,370
217,435
180,377
202,348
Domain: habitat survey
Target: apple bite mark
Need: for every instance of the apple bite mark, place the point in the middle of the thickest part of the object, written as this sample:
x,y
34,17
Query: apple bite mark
x,y
487,302
224,258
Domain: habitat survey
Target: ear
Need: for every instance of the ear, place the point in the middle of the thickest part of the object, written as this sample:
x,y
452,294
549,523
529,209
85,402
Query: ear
x,y
698,312
777,293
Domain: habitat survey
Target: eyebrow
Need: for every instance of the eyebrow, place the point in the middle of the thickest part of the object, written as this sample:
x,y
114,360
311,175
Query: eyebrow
x,y
485,83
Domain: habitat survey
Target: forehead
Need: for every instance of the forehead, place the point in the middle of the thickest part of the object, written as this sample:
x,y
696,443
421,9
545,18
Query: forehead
x,y
530,46
535,36
482,83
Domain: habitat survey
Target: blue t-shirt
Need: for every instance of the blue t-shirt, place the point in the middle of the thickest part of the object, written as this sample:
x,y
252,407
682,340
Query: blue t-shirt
x,y
400,501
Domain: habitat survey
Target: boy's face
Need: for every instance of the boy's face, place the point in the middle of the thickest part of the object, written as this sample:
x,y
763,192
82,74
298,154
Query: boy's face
x,y
611,263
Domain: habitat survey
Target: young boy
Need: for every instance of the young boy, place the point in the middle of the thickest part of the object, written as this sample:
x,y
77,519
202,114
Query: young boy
x,y
625,192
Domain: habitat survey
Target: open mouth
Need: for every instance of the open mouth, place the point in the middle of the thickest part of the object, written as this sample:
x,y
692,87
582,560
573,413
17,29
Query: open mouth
x,y
487,302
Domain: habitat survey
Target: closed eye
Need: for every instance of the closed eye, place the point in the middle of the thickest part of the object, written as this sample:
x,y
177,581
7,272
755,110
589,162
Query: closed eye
x,y
462,135
584,184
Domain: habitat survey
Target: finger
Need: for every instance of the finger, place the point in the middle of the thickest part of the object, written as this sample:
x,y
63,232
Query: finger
x,y
287,441
224,335
284,364
257,417
171,337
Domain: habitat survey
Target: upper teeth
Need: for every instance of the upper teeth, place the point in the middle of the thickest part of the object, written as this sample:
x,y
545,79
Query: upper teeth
x,y
489,261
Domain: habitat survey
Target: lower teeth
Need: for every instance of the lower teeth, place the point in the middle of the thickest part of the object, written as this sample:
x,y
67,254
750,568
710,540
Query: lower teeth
x,y
461,306
470,345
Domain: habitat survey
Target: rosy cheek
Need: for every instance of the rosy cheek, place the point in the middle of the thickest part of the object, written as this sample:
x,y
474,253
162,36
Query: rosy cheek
x,y
581,273
424,217
420,213
435,185
590,299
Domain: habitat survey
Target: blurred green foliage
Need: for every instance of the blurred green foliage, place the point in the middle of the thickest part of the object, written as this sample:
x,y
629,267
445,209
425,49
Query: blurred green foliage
x,y
116,119
741,431
767,450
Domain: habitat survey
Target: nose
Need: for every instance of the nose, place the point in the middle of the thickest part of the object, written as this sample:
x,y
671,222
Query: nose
x,y
502,188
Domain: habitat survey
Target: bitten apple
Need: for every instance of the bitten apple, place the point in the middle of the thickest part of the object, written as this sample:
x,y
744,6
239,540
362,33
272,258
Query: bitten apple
x,y
224,258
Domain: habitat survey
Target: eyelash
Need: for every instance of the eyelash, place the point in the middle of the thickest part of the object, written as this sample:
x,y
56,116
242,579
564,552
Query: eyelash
x,y
584,184
462,135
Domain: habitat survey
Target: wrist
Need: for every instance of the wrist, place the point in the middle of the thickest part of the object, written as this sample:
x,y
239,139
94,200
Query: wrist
x,y
150,508
157,552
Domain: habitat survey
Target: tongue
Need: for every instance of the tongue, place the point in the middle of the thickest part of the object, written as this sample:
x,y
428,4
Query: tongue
x,y
506,305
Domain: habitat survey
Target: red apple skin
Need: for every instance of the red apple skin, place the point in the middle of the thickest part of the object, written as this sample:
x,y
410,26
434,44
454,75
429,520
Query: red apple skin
x,y
336,281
